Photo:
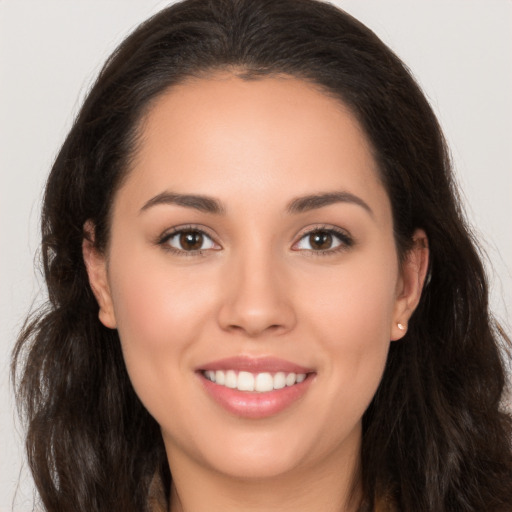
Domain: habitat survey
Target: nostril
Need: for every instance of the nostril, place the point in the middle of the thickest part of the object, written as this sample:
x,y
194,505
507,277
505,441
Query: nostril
x,y
253,330
255,310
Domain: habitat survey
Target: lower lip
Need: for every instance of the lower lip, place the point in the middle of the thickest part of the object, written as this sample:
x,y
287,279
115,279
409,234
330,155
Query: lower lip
x,y
253,405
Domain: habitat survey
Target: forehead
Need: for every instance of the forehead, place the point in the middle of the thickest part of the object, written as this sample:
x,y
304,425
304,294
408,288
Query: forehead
x,y
269,137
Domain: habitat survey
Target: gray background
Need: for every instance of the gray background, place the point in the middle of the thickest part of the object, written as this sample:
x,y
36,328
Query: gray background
x,y
50,51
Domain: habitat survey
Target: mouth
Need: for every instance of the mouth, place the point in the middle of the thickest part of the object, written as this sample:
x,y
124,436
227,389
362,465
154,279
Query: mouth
x,y
257,382
255,388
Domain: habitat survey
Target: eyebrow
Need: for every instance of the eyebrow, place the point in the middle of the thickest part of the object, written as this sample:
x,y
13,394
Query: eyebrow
x,y
314,201
298,205
198,202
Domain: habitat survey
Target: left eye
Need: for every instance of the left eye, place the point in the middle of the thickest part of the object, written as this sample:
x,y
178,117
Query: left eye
x,y
190,240
322,240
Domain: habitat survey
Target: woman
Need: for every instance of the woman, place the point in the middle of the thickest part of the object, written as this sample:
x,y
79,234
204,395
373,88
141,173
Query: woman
x,y
262,292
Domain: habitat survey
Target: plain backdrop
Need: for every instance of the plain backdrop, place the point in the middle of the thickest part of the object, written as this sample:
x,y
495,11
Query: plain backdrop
x,y
50,50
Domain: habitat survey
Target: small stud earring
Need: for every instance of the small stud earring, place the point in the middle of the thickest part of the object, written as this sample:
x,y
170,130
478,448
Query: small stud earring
x,y
401,326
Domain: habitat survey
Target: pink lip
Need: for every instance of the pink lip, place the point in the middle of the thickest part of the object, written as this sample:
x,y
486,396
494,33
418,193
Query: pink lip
x,y
253,405
255,365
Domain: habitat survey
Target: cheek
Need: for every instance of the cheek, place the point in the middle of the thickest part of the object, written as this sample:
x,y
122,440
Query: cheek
x,y
351,318
153,301
355,302
160,312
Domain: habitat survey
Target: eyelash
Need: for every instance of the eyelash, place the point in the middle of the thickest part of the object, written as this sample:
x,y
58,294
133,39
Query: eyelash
x,y
164,239
344,239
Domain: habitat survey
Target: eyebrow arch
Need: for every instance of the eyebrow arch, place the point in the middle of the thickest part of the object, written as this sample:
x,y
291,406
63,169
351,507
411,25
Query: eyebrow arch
x,y
202,203
314,201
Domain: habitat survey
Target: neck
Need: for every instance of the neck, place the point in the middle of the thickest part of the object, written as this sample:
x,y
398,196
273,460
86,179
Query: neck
x,y
330,486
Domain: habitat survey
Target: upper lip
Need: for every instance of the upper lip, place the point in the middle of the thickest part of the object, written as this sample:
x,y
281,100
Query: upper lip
x,y
255,365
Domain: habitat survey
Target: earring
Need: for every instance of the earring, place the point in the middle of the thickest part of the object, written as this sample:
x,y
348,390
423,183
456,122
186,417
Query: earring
x,y
401,326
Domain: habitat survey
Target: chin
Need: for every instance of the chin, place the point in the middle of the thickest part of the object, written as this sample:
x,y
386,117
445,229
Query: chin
x,y
257,466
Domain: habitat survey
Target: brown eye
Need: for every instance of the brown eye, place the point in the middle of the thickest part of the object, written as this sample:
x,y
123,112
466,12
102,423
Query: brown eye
x,y
191,240
320,240
324,240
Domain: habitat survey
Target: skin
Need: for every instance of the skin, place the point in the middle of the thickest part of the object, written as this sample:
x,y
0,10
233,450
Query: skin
x,y
259,288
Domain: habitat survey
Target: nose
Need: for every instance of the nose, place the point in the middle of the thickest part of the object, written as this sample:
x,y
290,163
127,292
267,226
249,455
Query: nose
x,y
257,299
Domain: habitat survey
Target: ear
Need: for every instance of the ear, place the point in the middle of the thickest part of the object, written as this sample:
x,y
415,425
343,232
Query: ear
x,y
410,284
96,266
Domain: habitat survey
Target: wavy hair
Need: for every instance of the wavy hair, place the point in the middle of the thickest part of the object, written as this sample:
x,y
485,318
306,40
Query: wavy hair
x,y
435,438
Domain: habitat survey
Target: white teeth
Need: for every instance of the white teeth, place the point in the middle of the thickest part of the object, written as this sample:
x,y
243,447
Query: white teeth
x,y
231,379
245,381
279,380
259,382
263,382
290,379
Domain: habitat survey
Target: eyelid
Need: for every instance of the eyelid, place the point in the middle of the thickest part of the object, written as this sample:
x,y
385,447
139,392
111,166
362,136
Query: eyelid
x,y
345,238
169,233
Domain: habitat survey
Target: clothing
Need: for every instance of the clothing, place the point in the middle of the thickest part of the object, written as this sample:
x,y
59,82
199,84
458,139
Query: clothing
x,y
385,504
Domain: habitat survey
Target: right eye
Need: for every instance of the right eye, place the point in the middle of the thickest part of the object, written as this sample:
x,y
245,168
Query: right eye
x,y
188,241
324,240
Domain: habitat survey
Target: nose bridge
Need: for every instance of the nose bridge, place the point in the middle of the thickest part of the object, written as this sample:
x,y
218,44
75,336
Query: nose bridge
x,y
256,298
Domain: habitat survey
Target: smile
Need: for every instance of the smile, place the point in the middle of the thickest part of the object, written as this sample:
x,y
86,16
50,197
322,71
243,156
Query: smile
x,y
255,387
256,382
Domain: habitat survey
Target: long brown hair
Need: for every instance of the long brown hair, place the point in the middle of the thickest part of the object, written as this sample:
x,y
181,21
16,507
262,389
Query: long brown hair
x,y
435,437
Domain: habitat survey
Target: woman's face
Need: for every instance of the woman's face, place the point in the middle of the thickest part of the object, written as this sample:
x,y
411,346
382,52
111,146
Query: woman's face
x,y
252,244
